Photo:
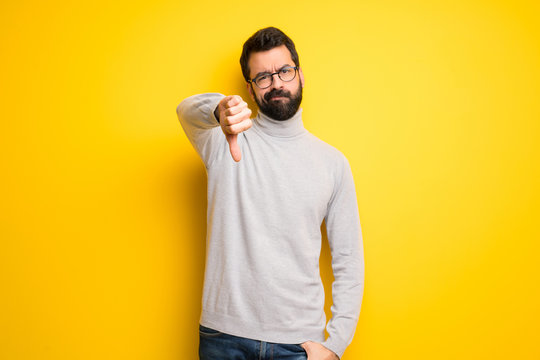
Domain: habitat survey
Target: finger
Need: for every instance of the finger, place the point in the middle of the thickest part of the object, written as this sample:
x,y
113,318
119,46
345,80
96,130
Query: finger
x,y
236,108
233,147
235,119
239,127
233,101
223,102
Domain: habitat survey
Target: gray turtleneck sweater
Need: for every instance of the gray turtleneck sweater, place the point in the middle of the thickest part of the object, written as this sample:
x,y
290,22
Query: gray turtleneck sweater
x,y
265,212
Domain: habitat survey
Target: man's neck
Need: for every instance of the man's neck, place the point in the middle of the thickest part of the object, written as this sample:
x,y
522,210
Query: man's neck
x,y
281,128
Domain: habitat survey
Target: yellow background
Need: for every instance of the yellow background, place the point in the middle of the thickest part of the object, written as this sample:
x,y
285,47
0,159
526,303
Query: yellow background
x,y
435,104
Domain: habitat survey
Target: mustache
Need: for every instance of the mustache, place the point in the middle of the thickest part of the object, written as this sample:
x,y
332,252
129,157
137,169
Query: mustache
x,y
276,92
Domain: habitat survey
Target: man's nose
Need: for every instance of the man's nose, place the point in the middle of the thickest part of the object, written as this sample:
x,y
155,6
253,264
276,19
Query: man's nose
x,y
277,82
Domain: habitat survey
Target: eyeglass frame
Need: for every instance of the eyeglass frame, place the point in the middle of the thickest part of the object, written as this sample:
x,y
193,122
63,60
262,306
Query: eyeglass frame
x,y
253,81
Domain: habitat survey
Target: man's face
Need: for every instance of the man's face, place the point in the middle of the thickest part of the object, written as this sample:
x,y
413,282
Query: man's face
x,y
282,99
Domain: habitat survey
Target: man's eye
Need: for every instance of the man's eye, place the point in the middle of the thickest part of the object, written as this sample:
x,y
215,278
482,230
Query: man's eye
x,y
286,70
262,77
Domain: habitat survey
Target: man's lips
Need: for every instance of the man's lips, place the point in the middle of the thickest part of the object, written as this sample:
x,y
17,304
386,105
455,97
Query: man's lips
x,y
278,98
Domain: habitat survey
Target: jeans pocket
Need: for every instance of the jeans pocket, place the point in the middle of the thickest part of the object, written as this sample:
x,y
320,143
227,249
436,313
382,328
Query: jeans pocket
x,y
205,331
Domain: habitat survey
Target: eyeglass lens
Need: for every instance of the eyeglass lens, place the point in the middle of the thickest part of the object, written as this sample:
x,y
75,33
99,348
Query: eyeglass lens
x,y
285,74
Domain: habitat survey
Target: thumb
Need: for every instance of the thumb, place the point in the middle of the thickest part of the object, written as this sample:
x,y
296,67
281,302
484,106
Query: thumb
x,y
233,146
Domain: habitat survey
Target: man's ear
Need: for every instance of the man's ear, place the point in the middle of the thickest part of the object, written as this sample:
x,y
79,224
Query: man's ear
x,y
301,76
250,90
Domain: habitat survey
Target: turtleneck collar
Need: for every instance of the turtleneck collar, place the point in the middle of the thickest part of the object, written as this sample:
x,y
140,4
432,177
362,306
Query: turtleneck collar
x,y
285,128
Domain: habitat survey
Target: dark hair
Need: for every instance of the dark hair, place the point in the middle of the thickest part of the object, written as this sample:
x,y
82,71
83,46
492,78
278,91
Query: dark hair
x,y
266,39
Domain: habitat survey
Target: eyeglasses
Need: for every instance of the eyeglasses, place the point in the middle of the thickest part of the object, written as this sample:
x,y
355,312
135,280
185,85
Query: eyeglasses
x,y
286,73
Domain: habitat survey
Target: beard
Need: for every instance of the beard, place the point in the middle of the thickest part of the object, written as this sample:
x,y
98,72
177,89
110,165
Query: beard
x,y
280,109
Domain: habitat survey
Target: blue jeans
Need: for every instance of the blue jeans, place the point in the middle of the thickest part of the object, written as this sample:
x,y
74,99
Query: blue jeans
x,y
215,345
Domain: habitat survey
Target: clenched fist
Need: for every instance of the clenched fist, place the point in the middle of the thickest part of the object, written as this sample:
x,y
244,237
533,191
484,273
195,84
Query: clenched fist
x,y
233,114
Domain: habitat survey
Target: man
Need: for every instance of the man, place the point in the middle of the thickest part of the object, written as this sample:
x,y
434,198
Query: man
x,y
263,296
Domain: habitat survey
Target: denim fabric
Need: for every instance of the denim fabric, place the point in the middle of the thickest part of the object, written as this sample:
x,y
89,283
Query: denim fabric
x,y
215,345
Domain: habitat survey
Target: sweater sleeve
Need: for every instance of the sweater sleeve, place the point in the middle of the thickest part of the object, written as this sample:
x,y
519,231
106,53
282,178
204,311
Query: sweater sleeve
x,y
196,115
345,240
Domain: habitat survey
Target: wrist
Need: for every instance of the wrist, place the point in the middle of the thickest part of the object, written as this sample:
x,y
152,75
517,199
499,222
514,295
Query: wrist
x,y
216,113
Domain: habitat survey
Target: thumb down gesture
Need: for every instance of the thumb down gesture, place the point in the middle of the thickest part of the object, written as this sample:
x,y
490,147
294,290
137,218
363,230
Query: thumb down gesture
x,y
233,118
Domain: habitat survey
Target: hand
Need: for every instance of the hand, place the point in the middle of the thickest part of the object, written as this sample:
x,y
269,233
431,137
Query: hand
x,y
316,351
234,118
